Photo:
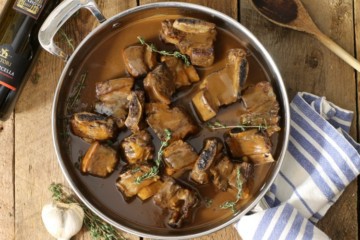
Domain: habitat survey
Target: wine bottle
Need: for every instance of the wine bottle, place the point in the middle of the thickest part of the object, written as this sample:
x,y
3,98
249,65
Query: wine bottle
x,y
20,22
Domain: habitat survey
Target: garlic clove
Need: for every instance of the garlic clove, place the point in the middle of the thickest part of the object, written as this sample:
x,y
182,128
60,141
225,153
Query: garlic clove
x,y
62,220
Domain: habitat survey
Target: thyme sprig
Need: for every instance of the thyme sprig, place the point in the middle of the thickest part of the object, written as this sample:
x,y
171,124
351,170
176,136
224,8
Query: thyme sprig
x,y
98,228
154,170
68,40
75,94
217,125
239,185
176,54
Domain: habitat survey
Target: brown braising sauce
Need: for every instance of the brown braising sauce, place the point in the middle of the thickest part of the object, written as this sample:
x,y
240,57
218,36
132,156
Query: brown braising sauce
x,y
106,62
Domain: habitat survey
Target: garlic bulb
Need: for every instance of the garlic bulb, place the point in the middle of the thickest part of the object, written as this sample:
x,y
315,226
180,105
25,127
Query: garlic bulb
x,y
62,220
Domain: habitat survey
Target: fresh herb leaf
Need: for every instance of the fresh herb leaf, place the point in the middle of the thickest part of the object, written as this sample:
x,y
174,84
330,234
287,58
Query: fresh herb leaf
x,y
152,173
239,186
68,40
75,94
155,169
176,54
99,230
208,202
229,204
218,125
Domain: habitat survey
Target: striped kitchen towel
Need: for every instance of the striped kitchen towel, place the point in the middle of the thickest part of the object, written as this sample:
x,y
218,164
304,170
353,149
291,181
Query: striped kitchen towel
x,y
321,160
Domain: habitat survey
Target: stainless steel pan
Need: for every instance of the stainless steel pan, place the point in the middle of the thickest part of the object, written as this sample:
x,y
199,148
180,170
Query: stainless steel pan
x,y
107,29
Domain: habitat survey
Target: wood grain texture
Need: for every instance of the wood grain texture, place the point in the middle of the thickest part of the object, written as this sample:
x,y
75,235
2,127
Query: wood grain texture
x,y
7,213
306,65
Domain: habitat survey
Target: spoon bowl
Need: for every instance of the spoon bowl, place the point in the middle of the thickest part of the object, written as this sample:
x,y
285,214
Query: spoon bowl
x,y
292,14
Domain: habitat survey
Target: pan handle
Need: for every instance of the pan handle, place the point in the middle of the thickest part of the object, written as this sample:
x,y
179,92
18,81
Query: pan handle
x,y
58,17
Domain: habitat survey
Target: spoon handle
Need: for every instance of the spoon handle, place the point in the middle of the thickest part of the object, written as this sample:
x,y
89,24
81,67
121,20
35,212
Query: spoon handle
x,y
339,51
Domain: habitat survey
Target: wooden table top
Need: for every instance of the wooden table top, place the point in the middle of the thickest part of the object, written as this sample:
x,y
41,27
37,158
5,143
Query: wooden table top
x,y
27,159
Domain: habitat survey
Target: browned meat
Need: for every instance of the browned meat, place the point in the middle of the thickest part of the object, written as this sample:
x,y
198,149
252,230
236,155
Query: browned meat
x,y
204,104
225,85
224,175
127,183
211,152
99,160
241,180
170,34
159,84
90,126
179,155
193,37
138,147
251,145
183,75
136,111
113,98
114,90
160,117
262,107
150,58
138,60
117,111
178,200
222,87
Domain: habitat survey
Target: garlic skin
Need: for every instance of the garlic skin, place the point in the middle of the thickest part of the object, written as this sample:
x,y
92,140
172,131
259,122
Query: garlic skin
x,y
62,220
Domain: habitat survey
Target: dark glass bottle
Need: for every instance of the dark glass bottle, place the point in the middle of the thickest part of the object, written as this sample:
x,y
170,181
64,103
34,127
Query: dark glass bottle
x,y
20,22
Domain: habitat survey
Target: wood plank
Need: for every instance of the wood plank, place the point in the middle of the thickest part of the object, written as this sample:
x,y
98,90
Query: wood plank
x,y
7,211
228,7
35,161
306,65
7,214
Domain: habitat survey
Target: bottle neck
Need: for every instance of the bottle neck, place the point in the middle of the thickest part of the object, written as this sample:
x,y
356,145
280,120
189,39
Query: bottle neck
x,y
23,33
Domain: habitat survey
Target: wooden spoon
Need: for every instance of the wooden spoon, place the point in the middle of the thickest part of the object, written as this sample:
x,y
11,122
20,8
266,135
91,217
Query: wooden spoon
x,y
292,14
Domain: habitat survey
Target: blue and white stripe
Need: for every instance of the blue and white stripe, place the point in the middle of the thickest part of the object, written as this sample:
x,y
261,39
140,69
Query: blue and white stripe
x,y
321,160
281,222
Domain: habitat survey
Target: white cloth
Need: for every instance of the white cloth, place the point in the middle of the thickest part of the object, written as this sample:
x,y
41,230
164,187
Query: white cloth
x,y
321,160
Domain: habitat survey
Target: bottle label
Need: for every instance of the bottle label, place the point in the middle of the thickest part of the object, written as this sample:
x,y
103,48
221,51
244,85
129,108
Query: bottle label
x,y
12,67
31,8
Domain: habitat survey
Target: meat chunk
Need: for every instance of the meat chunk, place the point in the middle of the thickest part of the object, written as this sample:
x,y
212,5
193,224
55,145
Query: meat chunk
x,y
262,108
128,184
225,85
159,84
183,75
161,117
205,105
138,60
193,37
91,127
114,90
169,34
222,87
149,191
99,160
211,152
179,155
251,145
138,147
177,200
136,111
224,175
113,98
